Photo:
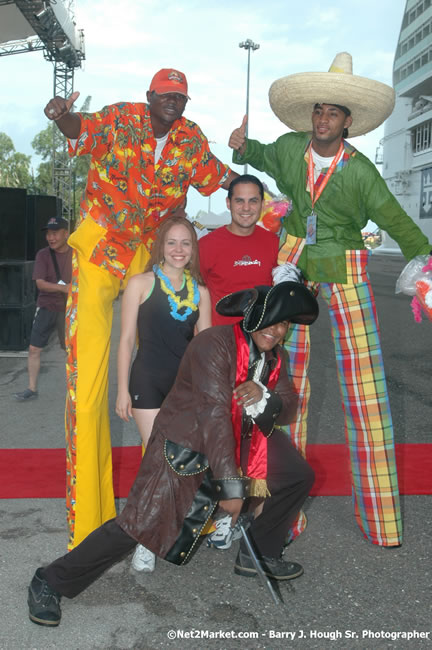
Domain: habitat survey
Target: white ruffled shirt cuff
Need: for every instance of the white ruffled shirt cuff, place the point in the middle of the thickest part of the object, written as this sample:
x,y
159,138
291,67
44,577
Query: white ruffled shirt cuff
x,y
256,409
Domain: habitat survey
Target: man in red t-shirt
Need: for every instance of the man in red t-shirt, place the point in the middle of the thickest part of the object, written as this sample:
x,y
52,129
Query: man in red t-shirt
x,y
241,254
52,272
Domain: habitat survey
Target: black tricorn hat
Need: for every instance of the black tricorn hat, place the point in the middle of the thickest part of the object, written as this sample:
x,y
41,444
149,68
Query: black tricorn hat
x,y
264,306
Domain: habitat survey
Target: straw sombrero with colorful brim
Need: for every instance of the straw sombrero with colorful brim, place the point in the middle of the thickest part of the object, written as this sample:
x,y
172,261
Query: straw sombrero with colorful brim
x,y
292,98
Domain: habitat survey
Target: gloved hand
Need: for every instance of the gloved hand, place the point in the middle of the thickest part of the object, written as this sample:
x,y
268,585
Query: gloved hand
x,y
287,272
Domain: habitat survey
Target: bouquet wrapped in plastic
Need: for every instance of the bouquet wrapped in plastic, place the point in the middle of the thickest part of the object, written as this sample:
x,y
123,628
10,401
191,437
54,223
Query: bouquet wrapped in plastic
x,y
274,209
416,280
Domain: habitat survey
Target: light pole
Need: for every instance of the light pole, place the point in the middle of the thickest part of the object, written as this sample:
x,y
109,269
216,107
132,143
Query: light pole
x,y
248,45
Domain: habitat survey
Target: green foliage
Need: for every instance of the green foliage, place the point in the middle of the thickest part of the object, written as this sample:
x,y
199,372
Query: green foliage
x,y
43,144
14,166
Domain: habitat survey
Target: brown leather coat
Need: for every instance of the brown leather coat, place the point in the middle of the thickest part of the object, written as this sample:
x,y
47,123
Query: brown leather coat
x,y
189,462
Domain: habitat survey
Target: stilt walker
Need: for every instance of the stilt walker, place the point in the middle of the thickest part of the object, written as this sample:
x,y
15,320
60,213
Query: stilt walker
x,y
335,191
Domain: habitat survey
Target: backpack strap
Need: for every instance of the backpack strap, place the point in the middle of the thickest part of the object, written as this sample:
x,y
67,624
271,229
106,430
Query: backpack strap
x,y
55,263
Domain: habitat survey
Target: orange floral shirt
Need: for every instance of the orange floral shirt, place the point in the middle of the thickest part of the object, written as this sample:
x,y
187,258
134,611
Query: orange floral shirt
x,y
128,195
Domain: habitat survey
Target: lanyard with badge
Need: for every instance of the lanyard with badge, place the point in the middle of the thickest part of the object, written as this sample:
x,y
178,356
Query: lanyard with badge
x,y
311,222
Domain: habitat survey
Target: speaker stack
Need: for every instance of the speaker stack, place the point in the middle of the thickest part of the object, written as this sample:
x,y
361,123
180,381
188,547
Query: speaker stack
x,y
21,220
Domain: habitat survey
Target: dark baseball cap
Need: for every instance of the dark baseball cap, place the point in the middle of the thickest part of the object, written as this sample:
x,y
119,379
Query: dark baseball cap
x,y
57,223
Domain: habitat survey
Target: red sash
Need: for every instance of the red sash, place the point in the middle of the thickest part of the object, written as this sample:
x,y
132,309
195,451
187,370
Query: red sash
x,y
257,461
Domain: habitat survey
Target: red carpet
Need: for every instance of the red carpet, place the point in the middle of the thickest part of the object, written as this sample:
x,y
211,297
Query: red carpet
x,y
40,473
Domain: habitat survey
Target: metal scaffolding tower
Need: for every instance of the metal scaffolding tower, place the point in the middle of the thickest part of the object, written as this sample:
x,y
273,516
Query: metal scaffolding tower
x,y
48,25
61,163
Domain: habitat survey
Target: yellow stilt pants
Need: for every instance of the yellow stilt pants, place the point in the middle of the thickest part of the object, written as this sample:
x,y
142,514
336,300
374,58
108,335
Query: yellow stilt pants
x,y
89,311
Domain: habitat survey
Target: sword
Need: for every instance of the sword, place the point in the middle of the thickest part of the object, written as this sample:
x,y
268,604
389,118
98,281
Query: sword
x,y
264,579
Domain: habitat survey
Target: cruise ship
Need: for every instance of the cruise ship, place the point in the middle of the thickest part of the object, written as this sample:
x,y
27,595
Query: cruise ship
x,y
406,152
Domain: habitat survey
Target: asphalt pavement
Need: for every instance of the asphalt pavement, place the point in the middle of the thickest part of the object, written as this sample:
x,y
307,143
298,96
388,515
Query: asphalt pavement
x,y
352,594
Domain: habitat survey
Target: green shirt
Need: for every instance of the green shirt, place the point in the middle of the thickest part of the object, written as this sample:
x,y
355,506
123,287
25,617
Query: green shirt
x,y
355,194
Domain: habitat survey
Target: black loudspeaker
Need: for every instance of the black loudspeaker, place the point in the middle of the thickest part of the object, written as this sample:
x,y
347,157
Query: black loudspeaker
x,y
17,304
13,223
39,210
16,285
15,327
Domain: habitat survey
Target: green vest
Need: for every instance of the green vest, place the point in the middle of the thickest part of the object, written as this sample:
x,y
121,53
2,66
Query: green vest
x,y
355,193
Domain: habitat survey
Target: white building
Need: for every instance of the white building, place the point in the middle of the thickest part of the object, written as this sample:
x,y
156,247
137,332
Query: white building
x,y
407,143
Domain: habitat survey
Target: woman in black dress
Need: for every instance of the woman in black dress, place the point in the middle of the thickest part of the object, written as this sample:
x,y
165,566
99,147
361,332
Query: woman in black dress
x,y
166,304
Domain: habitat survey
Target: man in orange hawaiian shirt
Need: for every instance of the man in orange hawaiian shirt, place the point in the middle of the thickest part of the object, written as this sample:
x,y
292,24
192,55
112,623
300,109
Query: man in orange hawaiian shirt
x,y
144,157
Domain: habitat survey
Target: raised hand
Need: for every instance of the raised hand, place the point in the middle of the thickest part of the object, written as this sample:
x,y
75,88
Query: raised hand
x,y
58,107
238,137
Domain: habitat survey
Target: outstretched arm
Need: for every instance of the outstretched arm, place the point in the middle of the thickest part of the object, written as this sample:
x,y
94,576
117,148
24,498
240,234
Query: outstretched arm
x,y
58,109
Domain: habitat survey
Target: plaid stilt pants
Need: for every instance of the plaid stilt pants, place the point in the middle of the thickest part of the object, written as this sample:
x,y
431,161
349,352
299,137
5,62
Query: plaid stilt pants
x,y
362,382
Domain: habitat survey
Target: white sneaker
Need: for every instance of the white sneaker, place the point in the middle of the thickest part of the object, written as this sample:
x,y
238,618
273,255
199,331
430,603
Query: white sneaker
x,y
143,559
224,535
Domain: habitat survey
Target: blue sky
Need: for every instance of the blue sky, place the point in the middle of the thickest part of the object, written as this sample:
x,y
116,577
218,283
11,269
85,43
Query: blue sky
x,y
127,42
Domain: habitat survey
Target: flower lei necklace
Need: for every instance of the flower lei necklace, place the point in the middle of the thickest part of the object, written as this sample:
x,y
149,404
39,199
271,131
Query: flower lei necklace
x,y
190,302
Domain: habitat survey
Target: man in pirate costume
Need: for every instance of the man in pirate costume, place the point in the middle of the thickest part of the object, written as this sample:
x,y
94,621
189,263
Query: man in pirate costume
x,y
213,441
335,191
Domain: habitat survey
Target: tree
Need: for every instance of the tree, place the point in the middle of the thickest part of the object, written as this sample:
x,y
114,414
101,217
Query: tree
x,y
42,144
14,166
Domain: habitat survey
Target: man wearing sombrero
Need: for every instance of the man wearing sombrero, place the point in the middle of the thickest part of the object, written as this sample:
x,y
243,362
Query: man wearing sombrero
x,y
212,442
335,191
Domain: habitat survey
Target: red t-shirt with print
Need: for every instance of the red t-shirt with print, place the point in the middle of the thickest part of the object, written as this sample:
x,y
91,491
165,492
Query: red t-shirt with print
x,y
231,263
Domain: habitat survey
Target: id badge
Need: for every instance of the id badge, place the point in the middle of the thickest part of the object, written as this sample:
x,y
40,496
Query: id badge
x,y
311,224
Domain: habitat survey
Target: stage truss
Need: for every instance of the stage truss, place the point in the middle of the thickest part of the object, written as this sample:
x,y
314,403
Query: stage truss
x,y
48,25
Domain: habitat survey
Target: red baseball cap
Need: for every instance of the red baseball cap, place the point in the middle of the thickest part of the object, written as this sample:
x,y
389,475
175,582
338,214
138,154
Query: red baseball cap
x,y
169,80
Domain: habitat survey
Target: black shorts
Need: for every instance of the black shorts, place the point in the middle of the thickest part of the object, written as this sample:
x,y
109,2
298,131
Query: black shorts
x,y
148,389
44,324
